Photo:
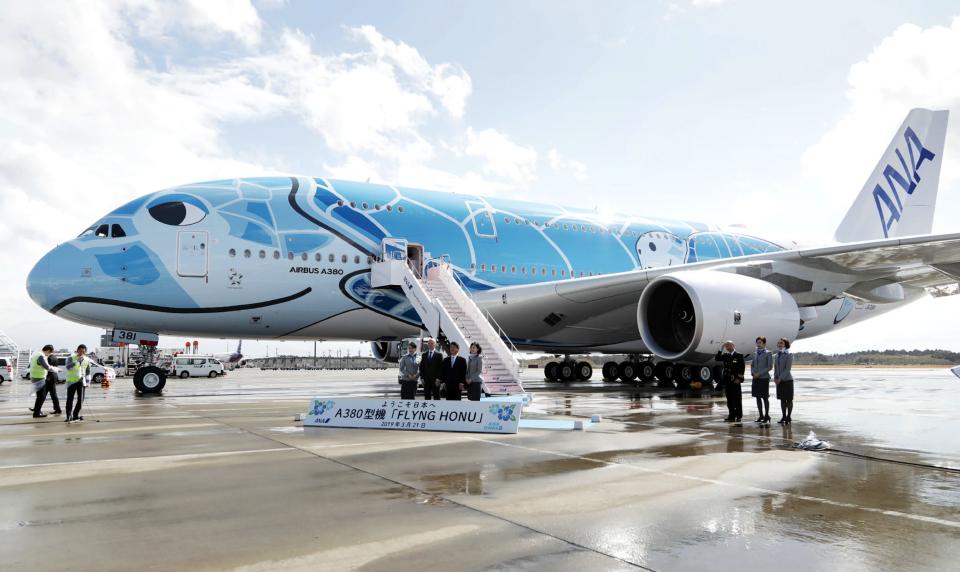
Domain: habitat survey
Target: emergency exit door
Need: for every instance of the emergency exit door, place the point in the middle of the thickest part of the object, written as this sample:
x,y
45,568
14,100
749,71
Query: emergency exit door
x,y
192,253
483,225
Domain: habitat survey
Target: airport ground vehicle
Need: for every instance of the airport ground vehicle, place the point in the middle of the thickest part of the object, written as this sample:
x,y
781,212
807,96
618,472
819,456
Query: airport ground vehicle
x,y
196,366
6,369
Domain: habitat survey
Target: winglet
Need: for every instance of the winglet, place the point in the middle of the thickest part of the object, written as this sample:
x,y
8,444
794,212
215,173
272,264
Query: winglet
x,y
901,194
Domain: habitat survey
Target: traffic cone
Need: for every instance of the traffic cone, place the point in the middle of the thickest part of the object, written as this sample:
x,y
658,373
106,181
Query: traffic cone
x,y
105,383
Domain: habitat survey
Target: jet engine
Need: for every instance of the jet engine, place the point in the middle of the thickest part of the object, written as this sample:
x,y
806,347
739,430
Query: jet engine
x,y
390,352
686,315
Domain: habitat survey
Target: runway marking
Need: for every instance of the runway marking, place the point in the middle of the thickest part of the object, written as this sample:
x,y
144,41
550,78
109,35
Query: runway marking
x,y
87,431
918,517
185,457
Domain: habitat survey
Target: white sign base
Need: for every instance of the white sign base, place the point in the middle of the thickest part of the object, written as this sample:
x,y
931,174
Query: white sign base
x,y
488,416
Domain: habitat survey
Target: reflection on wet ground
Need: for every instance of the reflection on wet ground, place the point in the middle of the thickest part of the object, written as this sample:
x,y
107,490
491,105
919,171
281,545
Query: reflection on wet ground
x,y
661,483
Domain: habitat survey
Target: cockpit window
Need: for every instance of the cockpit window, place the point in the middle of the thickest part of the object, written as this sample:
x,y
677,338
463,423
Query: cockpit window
x,y
116,231
102,231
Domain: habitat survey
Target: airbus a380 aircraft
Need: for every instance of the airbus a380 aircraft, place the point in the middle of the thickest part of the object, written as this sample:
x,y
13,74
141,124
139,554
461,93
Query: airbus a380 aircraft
x,y
290,258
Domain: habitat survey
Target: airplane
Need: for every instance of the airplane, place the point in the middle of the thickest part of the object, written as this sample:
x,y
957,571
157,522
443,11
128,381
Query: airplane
x,y
231,359
290,258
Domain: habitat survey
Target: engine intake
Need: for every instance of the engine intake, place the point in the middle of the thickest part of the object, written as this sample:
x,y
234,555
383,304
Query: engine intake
x,y
686,315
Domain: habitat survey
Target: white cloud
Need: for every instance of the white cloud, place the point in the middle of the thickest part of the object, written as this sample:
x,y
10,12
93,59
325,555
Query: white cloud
x,y
912,67
502,157
88,121
576,169
206,20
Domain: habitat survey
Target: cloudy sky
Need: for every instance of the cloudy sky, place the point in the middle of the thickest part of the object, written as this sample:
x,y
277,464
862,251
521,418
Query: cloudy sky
x,y
729,111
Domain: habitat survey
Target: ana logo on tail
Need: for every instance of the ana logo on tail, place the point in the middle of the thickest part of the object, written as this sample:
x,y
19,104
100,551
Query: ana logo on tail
x,y
891,209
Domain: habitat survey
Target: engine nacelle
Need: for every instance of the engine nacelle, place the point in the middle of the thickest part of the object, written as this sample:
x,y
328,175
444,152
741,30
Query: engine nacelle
x,y
686,315
391,352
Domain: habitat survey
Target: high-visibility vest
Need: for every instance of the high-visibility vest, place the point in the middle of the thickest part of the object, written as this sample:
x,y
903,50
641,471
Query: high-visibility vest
x,y
80,366
37,371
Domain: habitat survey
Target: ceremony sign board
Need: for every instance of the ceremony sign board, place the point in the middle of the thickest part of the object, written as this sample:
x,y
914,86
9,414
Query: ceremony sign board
x,y
488,416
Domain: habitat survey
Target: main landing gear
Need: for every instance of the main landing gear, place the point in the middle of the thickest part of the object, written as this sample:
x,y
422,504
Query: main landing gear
x,y
568,370
665,373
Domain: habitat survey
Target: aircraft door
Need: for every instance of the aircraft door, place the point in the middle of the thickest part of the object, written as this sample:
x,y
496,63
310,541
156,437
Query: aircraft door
x,y
192,253
415,258
483,224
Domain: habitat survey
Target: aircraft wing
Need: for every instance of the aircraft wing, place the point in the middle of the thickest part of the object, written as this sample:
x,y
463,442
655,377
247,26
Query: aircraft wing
x,y
606,306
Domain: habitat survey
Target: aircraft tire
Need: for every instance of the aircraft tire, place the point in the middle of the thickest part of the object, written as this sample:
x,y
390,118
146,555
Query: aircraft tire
x,y
684,374
550,371
150,379
627,371
584,370
567,371
610,371
704,374
646,370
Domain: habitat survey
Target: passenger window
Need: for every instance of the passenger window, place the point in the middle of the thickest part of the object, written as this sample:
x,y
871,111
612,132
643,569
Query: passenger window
x,y
289,256
513,269
364,205
483,268
263,254
117,231
232,252
343,258
399,209
356,259
318,257
303,256
246,253
276,255
102,231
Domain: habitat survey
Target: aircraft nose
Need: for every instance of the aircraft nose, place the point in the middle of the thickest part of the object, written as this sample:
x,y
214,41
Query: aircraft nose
x,y
51,276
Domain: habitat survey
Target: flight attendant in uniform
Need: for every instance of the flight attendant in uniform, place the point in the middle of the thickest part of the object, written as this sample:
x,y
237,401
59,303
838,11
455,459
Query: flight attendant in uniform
x,y
409,373
760,367
783,377
732,377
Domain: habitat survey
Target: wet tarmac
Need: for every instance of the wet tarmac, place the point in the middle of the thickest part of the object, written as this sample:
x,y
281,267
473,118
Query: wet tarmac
x,y
215,474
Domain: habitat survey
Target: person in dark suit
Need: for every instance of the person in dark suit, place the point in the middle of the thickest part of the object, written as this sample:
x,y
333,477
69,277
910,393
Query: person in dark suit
x,y
732,377
783,377
431,370
454,373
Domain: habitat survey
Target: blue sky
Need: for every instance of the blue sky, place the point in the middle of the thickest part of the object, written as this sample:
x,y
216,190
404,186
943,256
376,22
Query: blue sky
x,y
765,113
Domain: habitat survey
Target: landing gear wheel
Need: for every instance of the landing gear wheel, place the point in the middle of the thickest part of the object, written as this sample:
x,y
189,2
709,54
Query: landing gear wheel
x,y
150,379
184,374
584,370
664,373
550,371
646,370
568,371
212,375
627,371
704,375
684,375
610,371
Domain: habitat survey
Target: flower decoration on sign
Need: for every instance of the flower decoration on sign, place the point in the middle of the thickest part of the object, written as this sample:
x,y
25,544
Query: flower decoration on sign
x,y
504,412
320,406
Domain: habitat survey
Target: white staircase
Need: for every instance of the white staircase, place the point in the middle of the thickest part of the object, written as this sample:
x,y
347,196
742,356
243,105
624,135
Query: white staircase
x,y
444,306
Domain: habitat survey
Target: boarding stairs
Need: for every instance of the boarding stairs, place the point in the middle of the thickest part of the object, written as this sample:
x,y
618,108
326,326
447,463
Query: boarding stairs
x,y
444,306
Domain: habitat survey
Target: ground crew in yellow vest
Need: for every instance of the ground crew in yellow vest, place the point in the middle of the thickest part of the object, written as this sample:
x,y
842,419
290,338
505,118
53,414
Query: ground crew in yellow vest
x,y
39,370
78,378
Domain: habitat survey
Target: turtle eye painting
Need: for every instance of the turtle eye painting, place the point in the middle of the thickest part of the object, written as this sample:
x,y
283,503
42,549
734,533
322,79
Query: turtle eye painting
x,y
178,210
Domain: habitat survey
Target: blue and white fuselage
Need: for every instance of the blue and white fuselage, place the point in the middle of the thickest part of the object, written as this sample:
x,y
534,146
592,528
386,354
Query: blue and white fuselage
x,y
289,258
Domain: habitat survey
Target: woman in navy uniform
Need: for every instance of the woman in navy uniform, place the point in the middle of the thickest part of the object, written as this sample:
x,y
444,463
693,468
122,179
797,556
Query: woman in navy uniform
x,y
783,377
760,367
